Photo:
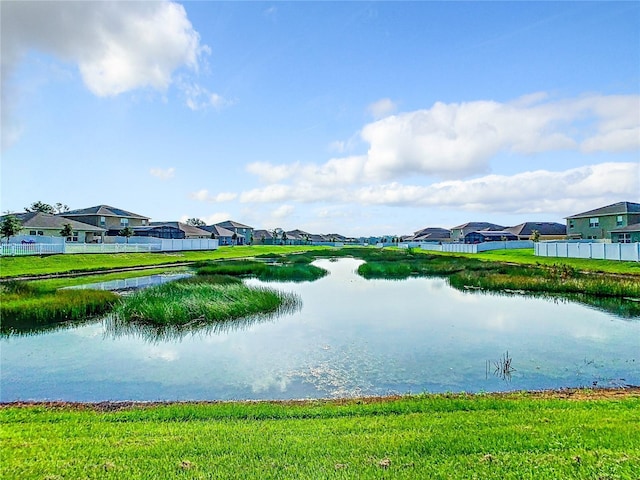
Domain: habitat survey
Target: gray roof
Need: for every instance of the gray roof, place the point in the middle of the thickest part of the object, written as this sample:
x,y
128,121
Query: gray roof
x,y
477,226
493,233
432,233
219,231
258,234
543,228
634,227
103,211
232,224
189,230
49,221
613,209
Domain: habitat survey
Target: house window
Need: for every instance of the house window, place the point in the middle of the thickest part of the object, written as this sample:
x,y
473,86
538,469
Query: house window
x,y
40,232
624,238
144,222
594,222
32,232
570,223
103,221
124,222
619,221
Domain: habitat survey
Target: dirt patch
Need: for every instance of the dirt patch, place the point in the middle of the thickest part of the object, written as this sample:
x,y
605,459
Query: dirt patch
x,y
576,394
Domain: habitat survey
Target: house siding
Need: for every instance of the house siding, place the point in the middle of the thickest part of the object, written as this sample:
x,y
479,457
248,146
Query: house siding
x,y
581,228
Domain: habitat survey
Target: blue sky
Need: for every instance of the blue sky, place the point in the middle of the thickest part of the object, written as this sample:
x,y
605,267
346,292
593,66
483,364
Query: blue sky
x,y
351,117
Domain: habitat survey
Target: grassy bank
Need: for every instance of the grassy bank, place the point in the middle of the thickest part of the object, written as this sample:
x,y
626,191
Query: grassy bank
x,y
512,436
290,268
51,264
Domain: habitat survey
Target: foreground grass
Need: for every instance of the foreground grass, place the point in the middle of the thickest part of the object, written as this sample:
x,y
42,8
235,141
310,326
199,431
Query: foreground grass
x,y
516,436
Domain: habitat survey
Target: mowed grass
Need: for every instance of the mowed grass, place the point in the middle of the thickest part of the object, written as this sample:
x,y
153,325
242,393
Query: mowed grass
x,y
51,264
516,436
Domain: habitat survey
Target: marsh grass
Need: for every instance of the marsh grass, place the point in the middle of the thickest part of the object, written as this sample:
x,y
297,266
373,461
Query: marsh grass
x,y
25,307
293,268
200,300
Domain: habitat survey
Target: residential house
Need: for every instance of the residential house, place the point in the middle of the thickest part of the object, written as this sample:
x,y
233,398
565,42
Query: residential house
x,y
174,230
110,218
223,235
489,236
628,234
47,224
546,230
244,233
262,237
430,234
298,237
601,222
458,233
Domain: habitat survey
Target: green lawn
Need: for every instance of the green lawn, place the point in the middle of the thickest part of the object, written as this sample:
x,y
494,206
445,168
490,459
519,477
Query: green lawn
x,y
516,436
36,265
525,256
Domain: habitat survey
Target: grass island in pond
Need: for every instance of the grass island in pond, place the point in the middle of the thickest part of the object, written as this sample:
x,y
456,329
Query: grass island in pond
x,y
205,298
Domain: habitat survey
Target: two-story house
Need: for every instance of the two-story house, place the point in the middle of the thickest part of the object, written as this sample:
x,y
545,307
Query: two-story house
x,y
600,222
244,233
112,219
458,233
40,224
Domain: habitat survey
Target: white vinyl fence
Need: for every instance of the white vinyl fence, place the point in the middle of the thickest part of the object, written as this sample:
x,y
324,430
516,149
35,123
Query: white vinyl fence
x,y
601,251
473,248
16,249
148,245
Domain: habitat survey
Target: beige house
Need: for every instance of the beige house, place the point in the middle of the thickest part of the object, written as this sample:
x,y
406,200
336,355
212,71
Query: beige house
x,y
46,224
112,219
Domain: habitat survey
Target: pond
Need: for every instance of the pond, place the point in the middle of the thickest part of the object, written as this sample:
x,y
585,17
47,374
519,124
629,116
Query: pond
x,y
351,337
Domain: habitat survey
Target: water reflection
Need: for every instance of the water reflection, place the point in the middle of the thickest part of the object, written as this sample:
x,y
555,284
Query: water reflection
x,y
26,328
115,327
623,308
131,283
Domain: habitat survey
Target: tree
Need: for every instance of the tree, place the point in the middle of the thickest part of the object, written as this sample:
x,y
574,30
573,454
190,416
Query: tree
x,y
284,238
234,238
61,208
535,235
251,239
196,222
67,230
46,208
40,207
10,226
126,232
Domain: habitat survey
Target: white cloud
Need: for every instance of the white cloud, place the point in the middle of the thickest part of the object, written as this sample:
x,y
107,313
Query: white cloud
x,y
116,46
163,174
460,140
204,196
282,212
382,108
198,97
531,191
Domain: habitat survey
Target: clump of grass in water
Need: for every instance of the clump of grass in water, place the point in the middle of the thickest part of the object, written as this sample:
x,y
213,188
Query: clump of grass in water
x,y
27,307
300,271
184,302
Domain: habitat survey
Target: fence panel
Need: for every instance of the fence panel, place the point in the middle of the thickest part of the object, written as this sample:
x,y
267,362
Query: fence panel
x,y
596,250
20,249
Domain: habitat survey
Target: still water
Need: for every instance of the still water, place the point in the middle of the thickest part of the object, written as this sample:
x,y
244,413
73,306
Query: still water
x,y
351,337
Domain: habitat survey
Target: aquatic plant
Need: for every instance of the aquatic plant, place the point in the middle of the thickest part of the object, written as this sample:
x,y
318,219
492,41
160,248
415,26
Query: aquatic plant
x,y
24,306
183,302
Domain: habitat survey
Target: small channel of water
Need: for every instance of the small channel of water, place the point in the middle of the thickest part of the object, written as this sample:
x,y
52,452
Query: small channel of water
x,y
351,337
